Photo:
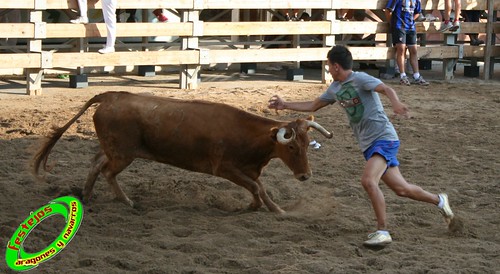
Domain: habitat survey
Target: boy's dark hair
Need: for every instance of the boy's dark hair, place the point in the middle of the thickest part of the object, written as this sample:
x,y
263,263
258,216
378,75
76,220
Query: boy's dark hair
x,y
340,55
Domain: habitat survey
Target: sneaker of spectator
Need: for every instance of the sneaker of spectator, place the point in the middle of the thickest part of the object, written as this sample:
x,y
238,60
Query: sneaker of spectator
x,y
476,42
427,18
405,81
445,26
420,81
160,16
431,18
80,20
455,26
106,50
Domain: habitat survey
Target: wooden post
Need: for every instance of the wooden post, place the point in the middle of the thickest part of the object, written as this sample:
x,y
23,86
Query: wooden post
x,y
328,41
390,64
189,73
490,42
34,75
235,17
449,63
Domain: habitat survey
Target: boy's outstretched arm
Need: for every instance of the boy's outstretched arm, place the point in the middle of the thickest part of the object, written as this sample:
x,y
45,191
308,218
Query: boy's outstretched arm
x,y
278,103
397,106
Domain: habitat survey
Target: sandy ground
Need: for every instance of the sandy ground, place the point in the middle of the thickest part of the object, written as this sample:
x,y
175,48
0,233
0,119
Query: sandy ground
x,y
195,223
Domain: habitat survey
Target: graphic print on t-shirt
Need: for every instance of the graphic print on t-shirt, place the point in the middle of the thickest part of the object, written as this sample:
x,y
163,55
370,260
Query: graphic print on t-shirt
x,y
349,99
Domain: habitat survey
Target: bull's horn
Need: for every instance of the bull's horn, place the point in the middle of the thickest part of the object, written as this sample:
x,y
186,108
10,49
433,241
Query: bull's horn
x,y
319,128
280,136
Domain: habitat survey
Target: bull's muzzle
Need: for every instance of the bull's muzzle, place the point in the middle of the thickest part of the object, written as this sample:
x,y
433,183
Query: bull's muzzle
x,y
302,176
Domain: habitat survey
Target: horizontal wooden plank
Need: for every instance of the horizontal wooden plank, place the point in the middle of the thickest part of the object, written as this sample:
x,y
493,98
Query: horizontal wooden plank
x,y
267,4
96,4
267,55
438,52
366,27
265,28
17,30
67,30
20,60
239,4
122,30
178,57
94,59
478,52
430,5
385,53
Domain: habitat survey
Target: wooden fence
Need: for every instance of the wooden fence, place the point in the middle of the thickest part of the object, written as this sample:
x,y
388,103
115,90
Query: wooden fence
x,y
189,55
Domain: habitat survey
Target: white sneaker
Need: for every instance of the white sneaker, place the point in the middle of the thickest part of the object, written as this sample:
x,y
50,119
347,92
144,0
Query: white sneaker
x,y
80,20
420,18
378,238
445,26
315,144
446,209
106,50
431,18
455,26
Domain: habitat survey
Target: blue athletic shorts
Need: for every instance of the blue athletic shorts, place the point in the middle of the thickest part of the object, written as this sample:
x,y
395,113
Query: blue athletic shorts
x,y
387,149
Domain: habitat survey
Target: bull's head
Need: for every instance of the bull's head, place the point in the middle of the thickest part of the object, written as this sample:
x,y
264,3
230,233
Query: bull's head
x,y
292,143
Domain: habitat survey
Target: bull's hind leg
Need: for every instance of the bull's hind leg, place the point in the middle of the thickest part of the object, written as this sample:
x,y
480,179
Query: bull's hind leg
x,y
95,168
112,168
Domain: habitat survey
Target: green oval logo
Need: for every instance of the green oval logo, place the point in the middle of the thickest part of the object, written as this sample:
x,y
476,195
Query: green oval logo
x,y
72,211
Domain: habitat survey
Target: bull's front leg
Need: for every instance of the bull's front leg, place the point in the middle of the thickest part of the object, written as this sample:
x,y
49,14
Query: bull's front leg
x,y
267,200
256,188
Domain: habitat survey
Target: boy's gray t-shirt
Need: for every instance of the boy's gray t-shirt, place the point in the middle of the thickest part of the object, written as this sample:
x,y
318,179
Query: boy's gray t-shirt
x,y
363,107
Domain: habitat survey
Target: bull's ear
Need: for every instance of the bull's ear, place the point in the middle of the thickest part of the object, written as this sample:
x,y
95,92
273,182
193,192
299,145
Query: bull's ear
x,y
273,133
310,118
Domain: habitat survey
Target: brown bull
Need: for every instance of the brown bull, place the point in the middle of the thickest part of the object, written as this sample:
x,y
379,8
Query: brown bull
x,y
200,136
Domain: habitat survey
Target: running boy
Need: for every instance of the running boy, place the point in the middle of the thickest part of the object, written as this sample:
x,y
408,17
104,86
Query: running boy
x,y
358,94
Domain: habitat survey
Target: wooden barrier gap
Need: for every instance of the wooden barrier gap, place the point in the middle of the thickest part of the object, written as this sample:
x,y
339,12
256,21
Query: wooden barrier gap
x,y
189,56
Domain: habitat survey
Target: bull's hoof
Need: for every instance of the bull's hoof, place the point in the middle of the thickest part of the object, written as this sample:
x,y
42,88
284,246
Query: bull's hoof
x,y
129,203
279,211
254,207
124,200
85,199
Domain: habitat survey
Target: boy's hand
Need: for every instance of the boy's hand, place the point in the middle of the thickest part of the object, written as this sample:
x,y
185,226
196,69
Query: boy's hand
x,y
401,109
276,103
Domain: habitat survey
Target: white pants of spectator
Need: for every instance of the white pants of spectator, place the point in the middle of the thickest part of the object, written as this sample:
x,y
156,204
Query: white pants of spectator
x,y
109,14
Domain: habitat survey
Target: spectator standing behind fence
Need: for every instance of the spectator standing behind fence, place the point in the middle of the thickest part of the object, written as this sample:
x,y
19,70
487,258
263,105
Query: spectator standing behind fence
x,y
473,16
109,14
447,25
401,15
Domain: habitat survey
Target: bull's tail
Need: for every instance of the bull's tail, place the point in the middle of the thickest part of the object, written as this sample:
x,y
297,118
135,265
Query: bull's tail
x,y
43,153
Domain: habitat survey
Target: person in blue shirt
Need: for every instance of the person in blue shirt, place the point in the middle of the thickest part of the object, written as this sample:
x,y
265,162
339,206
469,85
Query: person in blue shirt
x,y
358,94
401,15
